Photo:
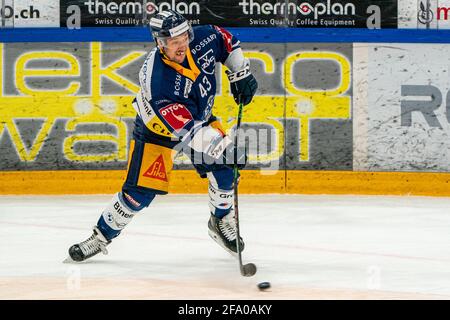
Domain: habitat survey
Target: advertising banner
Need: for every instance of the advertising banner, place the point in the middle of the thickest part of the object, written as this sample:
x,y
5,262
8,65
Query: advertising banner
x,y
402,107
235,13
343,14
29,13
68,106
424,14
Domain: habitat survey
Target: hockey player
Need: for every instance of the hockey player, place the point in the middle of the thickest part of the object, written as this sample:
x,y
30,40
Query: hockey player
x,y
174,112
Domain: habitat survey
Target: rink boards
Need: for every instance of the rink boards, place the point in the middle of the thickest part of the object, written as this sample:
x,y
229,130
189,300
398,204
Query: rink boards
x,y
370,118
252,182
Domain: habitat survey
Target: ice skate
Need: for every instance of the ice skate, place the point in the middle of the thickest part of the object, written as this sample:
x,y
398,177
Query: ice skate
x,y
88,248
223,231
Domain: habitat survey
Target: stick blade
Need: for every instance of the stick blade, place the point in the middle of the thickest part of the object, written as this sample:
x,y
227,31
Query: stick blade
x,y
248,270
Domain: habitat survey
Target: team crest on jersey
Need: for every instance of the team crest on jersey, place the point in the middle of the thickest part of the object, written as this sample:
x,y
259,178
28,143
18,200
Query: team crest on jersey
x,y
207,62
157,170
176,115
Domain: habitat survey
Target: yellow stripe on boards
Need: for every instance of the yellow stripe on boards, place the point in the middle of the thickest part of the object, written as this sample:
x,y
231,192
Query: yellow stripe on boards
x,y
252,182
368,183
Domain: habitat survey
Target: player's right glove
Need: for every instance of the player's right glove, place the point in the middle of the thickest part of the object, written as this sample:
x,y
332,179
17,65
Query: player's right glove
x,y
243,85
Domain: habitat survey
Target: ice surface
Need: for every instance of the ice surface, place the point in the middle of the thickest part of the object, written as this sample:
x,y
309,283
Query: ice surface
x,y
308,247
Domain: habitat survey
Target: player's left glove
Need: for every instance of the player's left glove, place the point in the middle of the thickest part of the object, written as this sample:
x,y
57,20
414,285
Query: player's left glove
x,y
243,85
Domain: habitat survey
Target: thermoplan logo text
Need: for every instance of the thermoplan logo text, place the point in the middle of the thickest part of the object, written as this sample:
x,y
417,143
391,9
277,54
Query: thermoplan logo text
x,y
127,8
305,8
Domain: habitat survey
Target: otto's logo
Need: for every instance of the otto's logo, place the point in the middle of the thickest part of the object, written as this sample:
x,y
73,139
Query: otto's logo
x,y
157,170
207,61
304,8
176,115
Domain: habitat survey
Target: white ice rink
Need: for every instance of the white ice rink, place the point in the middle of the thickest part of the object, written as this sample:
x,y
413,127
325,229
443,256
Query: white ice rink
x,y
308,247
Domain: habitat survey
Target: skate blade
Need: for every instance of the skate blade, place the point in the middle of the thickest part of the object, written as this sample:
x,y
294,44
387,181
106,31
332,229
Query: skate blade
x,y
69,260
220,243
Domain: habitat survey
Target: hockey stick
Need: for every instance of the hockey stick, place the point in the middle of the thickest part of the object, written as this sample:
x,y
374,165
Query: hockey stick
x,y
249,269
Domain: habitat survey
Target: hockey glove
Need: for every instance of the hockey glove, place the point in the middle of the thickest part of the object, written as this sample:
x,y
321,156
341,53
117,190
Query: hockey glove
x,y
243,85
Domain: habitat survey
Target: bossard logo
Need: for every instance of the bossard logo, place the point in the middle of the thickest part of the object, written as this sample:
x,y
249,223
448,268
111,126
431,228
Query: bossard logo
x,y
203,43
133,7
157,170
177,85
251,7
207,61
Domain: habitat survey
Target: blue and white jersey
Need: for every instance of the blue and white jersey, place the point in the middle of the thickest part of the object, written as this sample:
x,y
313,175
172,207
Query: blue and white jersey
x,y
172,96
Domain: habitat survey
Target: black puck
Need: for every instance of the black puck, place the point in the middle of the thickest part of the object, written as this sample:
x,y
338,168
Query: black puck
x,y
263,285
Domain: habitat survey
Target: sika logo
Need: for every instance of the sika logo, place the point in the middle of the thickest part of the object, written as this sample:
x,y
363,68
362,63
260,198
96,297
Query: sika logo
x,y
157,170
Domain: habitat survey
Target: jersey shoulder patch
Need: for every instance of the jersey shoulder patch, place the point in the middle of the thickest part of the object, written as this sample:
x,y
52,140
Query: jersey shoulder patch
x,y
177,116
